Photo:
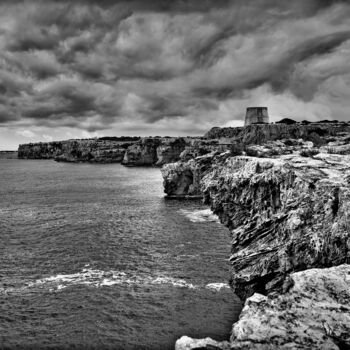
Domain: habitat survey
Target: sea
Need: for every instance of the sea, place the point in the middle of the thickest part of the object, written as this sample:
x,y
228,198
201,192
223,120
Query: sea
x,y
96,257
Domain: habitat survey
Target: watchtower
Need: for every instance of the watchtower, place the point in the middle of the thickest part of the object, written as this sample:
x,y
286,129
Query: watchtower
x,y
256,115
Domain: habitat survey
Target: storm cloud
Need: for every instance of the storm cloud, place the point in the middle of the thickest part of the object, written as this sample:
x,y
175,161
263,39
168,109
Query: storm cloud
x,y
169,67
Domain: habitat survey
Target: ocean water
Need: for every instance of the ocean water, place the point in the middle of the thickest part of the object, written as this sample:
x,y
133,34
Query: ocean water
x,y
94,257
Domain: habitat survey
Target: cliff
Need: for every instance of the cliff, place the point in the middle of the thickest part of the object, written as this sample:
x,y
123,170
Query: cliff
x,y
85,150
287,208
148,151
157,151
284,215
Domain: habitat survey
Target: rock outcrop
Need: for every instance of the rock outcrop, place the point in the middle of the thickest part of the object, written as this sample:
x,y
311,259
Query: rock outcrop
x,y
288,211
85,150
183,179
286,214
155,151
142,153
314,313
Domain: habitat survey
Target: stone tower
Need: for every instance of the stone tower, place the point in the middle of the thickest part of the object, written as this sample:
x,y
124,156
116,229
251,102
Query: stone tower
x,y
256,115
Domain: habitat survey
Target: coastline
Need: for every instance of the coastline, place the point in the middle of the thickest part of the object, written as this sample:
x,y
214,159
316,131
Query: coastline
x,y
285,200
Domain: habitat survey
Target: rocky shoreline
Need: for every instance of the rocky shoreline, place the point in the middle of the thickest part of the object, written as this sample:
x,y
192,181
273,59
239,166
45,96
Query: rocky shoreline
x,y
287,206
133,151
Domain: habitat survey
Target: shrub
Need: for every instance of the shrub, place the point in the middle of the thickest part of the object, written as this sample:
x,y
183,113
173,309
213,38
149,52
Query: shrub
x,y
287,121
305,122
251,152
236,149
309,152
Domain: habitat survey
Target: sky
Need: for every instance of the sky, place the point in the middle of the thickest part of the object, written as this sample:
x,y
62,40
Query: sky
x,y
79,69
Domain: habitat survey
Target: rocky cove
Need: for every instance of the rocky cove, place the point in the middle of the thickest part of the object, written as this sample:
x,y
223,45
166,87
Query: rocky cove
x,y
284,193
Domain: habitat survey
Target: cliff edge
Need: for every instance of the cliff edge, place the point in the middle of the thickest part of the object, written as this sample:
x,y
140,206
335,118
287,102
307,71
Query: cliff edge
x,y
287,205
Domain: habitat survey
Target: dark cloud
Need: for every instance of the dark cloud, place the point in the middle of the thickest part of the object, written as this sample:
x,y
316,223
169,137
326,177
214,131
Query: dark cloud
x,y
191,63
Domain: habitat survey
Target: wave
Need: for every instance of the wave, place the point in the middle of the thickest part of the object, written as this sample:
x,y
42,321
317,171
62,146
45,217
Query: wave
x,y
205,215
99,278
217,286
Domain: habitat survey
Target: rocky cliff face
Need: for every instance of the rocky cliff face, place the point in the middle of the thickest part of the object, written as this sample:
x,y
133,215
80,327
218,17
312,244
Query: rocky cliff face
x,y
286,214
157,151
183,179
288,211
88,150
149,151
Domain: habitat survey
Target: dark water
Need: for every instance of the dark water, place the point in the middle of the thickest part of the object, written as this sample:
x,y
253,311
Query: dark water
x,y
94,256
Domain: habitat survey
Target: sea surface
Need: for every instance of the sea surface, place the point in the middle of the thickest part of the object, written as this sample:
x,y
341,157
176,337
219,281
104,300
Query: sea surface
x,y
95,257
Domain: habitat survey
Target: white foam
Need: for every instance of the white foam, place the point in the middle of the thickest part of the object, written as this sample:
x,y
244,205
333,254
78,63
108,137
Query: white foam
x,y
205,215
98,278
217,286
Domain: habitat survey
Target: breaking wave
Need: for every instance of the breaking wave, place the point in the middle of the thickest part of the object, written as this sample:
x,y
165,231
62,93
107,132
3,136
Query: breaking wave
x,y
100,278
205,215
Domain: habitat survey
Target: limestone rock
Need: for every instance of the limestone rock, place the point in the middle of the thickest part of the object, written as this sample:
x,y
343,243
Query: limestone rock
x,y
286,214
142,153
170,149
313,314
183,179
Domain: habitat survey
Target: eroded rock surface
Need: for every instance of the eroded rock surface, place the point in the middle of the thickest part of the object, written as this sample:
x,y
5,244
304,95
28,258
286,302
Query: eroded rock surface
x,y
313,314
142,153
183,179
284,215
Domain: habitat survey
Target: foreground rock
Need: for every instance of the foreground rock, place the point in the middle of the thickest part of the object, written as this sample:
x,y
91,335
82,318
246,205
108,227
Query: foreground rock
x,y
313,314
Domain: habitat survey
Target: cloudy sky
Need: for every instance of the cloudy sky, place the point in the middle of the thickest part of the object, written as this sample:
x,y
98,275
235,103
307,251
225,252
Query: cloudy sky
x,y
72,69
